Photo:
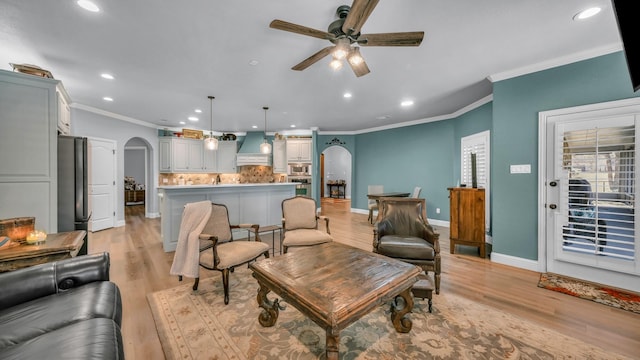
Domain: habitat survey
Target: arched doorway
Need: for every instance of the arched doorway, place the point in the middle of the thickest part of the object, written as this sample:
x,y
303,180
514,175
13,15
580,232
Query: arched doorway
x,y
136,175
336,167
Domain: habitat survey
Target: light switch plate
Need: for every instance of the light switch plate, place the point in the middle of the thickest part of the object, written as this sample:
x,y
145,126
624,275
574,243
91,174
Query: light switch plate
x,y
520,169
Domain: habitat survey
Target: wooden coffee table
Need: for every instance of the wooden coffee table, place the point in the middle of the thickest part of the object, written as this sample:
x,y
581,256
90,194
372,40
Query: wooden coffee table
x,y
334,285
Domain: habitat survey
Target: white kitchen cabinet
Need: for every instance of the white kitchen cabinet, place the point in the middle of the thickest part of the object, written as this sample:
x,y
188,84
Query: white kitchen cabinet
x,y
279,156
227,151
181,155
187,155
30,111
299,150
64,111
209,159
165,155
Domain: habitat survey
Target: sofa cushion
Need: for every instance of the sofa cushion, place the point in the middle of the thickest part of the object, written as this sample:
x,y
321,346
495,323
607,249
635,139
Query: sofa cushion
x,y
406,247
31,319
84,340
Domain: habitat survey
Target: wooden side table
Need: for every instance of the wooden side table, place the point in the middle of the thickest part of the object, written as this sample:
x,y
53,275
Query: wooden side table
x,y
56,247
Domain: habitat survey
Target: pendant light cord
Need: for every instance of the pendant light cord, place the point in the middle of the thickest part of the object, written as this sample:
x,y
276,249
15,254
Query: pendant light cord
x,y
265,108
211,113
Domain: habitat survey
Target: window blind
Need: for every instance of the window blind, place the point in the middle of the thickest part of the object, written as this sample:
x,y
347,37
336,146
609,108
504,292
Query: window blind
x,y
600,196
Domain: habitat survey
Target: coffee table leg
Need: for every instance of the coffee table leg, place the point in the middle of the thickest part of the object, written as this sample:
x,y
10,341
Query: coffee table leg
x,y
400,321
270,309
333,344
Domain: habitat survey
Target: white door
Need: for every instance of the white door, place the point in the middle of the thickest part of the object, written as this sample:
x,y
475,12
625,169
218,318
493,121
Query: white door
x,y
590,228
102,183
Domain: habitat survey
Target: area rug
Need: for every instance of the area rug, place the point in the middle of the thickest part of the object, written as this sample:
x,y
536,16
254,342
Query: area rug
x,y
621,299
197,325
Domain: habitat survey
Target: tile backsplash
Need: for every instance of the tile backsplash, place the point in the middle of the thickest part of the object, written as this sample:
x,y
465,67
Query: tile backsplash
x,y
250,174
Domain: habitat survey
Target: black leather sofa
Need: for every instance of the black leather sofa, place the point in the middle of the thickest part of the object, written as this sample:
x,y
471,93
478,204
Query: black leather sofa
x,y
61,310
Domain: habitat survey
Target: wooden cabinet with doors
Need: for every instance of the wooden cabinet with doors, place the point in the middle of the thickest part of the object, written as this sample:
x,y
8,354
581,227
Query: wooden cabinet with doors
x,y
467,218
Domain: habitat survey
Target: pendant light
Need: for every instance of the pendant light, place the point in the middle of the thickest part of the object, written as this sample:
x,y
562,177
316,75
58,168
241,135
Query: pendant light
x,y
211,142
265,147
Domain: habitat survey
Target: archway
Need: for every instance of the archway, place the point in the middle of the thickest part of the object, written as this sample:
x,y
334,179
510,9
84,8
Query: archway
x,y
336,165
137,175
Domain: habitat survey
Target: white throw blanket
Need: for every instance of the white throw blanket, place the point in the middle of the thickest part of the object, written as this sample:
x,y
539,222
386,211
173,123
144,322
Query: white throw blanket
x,y
186,260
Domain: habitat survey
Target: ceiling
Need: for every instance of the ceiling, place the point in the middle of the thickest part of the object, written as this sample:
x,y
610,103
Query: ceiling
x,y
168,56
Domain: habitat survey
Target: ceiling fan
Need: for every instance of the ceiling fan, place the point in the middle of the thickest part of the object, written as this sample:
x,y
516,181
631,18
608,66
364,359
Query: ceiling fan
x,y
345,34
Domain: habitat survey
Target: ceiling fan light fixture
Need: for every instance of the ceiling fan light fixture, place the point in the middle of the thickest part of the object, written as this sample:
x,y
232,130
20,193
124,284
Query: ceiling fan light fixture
x,y
211,142
354,57
265,147
336,64
341,49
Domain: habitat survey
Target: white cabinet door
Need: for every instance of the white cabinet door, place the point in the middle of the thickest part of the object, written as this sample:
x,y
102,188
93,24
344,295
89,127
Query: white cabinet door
x,y
186,155
196,148
165,155
279,156
209,160
227,151
299,150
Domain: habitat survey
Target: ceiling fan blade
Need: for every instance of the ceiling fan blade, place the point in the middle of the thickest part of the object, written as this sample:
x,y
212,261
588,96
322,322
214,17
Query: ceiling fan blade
x,y
313,59
392,39
359,13
357,63
299,29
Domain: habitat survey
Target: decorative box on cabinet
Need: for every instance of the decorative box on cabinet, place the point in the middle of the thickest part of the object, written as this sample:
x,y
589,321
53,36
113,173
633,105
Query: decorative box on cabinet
x,y
467,218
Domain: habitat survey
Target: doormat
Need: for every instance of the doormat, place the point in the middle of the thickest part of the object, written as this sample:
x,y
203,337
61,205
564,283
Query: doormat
x,y
622,299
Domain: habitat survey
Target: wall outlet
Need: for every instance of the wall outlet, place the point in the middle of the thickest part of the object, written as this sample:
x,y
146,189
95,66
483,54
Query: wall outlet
x,y
437,210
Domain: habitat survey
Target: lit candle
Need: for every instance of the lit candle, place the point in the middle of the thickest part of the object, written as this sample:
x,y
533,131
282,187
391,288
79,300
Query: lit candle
x,y
36,236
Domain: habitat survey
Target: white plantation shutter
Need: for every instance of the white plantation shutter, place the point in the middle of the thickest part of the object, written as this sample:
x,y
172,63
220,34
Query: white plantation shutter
x,y
601,190
476,144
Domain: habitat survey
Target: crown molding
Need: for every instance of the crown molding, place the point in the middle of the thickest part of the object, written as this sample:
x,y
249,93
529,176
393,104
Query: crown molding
x,y
565,60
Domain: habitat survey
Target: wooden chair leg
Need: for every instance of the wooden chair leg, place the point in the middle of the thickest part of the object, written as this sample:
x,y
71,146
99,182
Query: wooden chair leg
x,y
195,284
225,285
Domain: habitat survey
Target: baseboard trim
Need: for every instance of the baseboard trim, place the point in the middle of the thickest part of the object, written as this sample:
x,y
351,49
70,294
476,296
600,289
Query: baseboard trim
x,y
514,261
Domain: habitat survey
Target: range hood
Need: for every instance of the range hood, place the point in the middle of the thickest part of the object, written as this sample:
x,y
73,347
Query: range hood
x,y
249,153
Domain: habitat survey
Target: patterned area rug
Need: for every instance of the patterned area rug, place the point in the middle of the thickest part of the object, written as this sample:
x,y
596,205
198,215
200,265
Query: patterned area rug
x,y
621,299
197,325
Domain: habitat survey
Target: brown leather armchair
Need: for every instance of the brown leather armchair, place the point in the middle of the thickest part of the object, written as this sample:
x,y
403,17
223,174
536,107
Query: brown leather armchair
x,y
404,234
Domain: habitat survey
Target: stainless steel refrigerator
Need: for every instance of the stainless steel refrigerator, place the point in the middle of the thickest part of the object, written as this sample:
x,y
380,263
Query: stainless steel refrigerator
x,y
73,199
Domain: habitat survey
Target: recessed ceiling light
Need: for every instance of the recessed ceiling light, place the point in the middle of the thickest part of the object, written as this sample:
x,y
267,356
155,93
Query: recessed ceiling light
x,y
106,98
88,5
192,118
198,111
253,62
587,13
292,126
347,95
182,123
406,103
254,126
383,117
107,76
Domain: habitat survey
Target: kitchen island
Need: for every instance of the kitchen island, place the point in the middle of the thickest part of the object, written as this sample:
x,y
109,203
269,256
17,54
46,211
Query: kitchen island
x,y
247,203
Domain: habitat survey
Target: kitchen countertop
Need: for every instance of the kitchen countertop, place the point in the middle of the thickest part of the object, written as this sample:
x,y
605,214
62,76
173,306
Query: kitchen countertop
x,y
206,186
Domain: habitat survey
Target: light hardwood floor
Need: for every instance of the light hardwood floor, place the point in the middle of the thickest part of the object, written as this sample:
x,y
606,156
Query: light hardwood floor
x,y
139,266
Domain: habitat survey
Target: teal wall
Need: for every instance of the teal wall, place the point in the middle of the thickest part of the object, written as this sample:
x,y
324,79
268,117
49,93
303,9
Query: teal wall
x,y
403,158
516,104
428,155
